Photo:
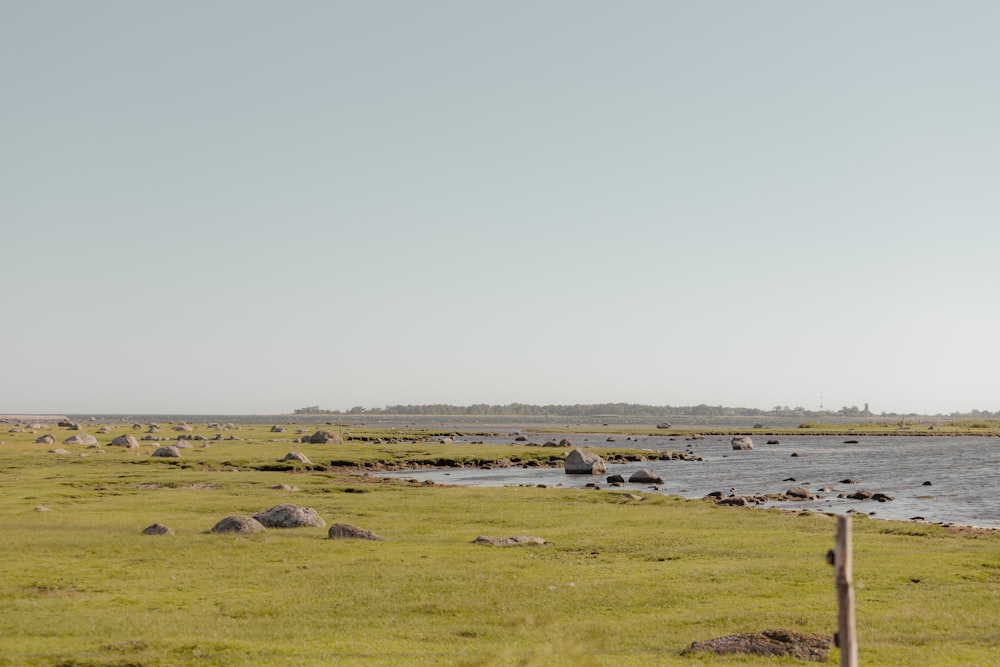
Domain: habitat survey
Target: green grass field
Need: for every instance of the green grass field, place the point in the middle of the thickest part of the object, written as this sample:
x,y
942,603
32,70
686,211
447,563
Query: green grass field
x,y
622,581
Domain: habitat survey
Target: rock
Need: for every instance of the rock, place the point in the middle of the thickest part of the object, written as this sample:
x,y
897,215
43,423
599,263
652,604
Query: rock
x,y
323,437
238,524
645,476
851,442
927,484
157,529
289,516
565,443
579,462
446,441
742,442
127,440
170,452
80,439
515,541
882,497
796,455
45,440
521,438
277,429
343,531
297,456
773,442
615,479
183,427
182,444
770,643
42,508
59,450
800,493
848,481
861,495
664,425
285,487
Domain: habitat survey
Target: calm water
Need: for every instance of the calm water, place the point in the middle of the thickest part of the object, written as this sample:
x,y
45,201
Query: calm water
x,y
963,472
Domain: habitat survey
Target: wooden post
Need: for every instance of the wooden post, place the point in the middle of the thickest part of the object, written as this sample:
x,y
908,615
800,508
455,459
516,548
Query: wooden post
x,y
843,572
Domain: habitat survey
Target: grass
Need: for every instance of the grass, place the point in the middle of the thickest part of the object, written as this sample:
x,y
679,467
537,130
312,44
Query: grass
x,y
623,582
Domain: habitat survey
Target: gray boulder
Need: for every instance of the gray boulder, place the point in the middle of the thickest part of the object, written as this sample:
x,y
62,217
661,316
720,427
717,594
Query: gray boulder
x,y
579,462
289,516
297,456
238,524
127,440
323,437
742,442
645,476
800,493
170,452
46,440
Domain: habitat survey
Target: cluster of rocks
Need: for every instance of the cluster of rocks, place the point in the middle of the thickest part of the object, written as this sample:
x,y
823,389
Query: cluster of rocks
x,y
582,462
289,516
322,437
279,516
795,493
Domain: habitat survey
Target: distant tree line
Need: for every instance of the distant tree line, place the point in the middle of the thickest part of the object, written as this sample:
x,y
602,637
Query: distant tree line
x,y
615,410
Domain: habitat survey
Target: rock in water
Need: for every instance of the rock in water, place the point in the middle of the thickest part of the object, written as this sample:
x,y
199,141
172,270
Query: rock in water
x,y
579,462
742,442
645,476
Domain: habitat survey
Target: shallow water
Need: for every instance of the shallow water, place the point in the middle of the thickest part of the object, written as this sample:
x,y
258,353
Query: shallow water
x,y
963,473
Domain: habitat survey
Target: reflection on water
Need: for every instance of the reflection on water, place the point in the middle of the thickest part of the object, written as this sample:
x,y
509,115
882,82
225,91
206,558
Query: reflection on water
x,y
962,472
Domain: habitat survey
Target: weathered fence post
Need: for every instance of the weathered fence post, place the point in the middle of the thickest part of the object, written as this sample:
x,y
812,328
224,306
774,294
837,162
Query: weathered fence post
x,y
843,572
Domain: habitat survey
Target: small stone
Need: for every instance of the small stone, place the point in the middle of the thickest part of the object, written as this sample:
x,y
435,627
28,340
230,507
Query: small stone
x,y
157,529
346,531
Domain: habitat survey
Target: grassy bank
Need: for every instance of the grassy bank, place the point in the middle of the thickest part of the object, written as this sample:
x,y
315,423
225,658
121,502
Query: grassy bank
x,y
622,581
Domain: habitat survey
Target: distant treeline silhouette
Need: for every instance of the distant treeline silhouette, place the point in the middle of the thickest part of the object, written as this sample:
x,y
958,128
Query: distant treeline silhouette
x,y
588,410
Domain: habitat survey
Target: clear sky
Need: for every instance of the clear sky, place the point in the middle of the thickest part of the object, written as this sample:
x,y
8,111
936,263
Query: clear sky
x,y
249,207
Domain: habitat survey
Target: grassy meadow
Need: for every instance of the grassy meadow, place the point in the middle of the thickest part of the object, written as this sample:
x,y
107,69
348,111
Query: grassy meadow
x,y
623,581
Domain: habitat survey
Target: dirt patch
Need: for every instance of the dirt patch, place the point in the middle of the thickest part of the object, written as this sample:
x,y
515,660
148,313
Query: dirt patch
x,y
803,646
